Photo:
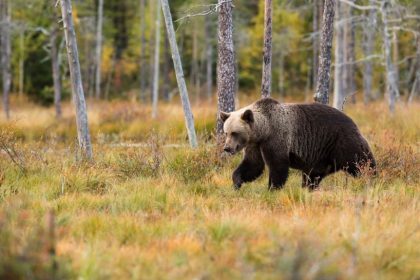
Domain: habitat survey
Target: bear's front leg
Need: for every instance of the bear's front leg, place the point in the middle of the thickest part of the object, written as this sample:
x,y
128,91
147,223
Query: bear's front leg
x,y
251,167
278,165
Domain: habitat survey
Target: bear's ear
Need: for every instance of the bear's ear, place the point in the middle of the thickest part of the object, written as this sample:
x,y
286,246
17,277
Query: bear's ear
x,y
224,116
248,116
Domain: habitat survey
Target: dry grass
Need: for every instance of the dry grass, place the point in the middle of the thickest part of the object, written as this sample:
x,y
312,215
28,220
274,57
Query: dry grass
x,y
158,212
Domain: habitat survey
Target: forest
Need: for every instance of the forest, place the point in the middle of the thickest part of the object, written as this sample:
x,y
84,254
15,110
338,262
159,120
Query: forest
x,y
112,133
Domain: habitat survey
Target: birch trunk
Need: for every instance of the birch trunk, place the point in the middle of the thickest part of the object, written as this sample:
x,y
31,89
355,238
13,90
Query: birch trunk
x,y
142,52
209,58
226,81
368,48
99,49
6,54
322,89
189,119
392,88
156,65
267,55
56,71
339,78
76,81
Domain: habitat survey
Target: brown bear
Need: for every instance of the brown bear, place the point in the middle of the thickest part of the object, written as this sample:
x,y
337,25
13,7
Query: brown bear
x,y
314,138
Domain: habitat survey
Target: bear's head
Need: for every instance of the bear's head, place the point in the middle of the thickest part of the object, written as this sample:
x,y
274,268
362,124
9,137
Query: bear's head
x,y
237,127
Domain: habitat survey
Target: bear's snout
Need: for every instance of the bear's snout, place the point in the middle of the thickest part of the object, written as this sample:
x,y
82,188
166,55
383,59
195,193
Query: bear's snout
x,y
228,149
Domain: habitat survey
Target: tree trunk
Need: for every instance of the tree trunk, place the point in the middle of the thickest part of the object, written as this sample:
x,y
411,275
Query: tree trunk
x,y
76,81
391,83
209,58
21,61
368,47
339,73
267,55
99,49
225,65
415,90
56,71
166,68
189,119
350,56
321,94
142,52
6,54
156,66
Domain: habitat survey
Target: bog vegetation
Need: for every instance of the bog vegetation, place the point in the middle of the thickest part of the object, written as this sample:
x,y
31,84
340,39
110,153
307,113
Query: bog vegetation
x,y
161,210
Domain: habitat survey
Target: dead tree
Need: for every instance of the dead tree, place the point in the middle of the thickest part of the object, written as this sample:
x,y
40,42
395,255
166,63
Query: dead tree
x,y
267,55
156,67
226,81
339,67
321,94
392,87
368,48
142,52
5,12
55,70
83,134
99,49
189,119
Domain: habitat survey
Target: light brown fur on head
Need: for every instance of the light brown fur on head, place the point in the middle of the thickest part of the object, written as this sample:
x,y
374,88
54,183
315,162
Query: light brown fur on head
x,y
237,128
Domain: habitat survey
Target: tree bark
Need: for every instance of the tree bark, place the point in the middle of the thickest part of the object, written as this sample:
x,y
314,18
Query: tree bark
x,y
322,89
76,81
339,68
99,49
56,71
6,54
226,64
156,65
189,118
415,90
368,47
267,55
209,58
142,52
392,88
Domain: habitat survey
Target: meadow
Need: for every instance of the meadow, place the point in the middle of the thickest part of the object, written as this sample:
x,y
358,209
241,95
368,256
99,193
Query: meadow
x,y
150,207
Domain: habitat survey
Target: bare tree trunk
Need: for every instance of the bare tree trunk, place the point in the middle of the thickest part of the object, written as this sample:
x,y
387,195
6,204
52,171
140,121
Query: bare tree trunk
x,y
76,81
339,74
156,66
6,54
322,89
189,119
266,72
209,58
21,61
166,66
368,47
56,71
142,52
392,88
415,90
351,57
99,49
226,64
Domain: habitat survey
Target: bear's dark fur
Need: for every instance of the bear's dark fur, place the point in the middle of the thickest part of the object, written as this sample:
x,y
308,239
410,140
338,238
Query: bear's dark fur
x,y
314,138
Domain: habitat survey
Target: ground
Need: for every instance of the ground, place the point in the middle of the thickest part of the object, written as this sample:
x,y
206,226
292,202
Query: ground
x,y
149,207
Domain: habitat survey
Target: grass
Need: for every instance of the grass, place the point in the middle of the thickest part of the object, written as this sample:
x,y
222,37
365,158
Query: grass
x,y
155,211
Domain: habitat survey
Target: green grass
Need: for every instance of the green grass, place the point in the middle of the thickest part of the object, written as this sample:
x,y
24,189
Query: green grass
x,y
162,212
